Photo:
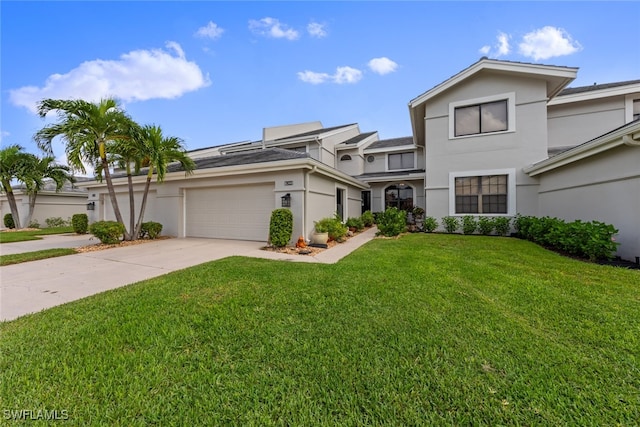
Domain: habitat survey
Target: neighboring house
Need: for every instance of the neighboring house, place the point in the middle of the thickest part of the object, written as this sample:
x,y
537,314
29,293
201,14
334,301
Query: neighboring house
x,y
489,130
481,145
63,204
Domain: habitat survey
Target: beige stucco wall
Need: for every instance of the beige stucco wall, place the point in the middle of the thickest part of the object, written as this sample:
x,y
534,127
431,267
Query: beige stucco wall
x,y
490,152
48,205
579,122
602,188
353,167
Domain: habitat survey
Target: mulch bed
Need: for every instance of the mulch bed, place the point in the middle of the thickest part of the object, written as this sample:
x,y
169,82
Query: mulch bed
x,y
102,246
308,250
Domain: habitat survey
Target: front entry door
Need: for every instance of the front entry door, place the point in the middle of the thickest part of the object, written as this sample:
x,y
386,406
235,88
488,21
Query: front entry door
x,y
366,201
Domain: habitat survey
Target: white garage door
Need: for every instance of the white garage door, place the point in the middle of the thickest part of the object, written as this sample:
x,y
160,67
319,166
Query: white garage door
x,y
236,212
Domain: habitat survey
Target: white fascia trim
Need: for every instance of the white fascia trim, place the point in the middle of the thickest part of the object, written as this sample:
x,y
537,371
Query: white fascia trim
x,y
628,105
511,113
399,148
310,138
397,178
367,140
511,189
583,151
596,94
488,64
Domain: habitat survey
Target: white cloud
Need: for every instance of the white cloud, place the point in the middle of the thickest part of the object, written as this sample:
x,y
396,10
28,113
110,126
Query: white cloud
x,y
312,77
342,75
271,27
3,135
136,76
548,42
347,75
382,65
501,48
316,30
210,31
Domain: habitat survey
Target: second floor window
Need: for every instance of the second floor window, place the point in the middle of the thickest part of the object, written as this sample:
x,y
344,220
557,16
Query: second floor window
x,y
481,118
401,161
636,109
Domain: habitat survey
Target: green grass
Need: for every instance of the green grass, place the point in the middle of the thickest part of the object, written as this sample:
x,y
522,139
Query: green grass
x,y
22,236
34,256
422,330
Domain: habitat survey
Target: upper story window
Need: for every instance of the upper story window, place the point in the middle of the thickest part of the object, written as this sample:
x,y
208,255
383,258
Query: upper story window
x,y
636,109
480,116
345,157
398,161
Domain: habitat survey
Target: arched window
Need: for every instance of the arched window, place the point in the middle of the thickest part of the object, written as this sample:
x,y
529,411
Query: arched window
x,y
399,196
345,157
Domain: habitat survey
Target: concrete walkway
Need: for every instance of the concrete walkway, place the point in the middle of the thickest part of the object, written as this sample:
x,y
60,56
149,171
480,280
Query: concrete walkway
x,y
34,286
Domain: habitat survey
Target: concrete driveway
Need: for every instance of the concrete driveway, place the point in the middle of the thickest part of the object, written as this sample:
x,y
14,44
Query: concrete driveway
x,y
33,286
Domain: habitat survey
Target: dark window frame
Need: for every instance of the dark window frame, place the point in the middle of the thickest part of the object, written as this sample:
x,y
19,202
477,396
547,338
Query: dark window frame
x,y
413,160
480,106
400,202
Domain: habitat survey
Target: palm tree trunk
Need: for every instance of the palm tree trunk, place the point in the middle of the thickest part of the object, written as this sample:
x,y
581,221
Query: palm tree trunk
x,y
11,198
147,184
112,195
132,211
32,207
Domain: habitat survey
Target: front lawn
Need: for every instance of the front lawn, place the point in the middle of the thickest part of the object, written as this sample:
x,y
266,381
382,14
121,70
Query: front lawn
x,y
35,255
421,330
22,236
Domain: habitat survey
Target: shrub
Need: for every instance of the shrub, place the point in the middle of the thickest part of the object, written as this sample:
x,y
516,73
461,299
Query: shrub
x,y
376,217
417,211
280,227
109,232
56,221
430,224
80,223
469,224
450,224
8,221
486,225
593,240
333,226
367,218
392,222
150,229
502,225
356,223
33,224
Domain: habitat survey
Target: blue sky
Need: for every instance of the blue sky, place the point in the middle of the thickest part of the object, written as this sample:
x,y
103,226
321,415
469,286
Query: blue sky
x,y
218,72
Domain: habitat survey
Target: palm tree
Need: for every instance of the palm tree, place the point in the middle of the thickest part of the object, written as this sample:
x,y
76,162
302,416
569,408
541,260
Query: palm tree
x,y
15,164
158,152
87,129
45,168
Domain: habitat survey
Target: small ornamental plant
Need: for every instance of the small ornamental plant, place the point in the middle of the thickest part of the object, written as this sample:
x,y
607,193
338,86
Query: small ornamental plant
x,y
392,222
469,224
450,224
430,224
367,218
150,230
333,227
8,221
108,232
486,225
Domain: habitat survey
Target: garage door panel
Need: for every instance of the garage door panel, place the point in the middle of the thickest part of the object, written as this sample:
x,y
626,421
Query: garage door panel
x,y
237,212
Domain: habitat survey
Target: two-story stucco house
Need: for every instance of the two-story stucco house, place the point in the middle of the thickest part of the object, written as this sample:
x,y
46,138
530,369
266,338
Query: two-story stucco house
x,y
502,138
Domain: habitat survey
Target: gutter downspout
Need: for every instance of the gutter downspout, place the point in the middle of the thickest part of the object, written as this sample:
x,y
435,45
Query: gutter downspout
x,y
630,141
306,196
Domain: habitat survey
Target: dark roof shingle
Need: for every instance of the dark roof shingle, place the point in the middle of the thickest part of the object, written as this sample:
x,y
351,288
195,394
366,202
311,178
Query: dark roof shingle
x,y
582,89
389,143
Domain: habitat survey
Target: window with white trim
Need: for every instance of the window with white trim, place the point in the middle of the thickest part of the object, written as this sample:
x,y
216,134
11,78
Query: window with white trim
x,y
636,109
482,116
345,157
398,161
481,194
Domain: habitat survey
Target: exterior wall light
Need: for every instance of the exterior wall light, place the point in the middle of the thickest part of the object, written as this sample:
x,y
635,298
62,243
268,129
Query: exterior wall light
x,y
91,206
286,200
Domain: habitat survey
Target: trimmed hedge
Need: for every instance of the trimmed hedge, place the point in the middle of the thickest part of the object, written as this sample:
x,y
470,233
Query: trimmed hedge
x,y
280,227
150,229
80,223
392,222
109,232
469,224
8,221
367,218
592,240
